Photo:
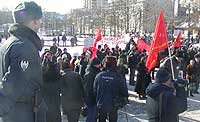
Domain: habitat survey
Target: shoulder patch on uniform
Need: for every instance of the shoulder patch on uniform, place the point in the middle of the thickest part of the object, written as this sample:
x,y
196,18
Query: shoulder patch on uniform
x,y
24,65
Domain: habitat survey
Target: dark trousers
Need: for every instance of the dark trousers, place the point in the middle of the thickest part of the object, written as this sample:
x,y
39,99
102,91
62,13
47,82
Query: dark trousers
x,y
73,115
112,116
197,86
132,75
92,113
23,112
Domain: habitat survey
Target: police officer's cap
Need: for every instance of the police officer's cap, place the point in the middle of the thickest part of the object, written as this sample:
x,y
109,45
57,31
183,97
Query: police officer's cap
x,y
27,11
162,75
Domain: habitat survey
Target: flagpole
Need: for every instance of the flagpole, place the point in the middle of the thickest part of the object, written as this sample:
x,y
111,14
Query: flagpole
x,y
170,57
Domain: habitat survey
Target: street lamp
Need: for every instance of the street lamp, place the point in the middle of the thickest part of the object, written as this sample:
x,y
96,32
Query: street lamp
x,y
189,11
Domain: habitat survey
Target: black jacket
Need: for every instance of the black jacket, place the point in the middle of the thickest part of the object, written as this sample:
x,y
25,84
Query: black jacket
x,y
161,109
72,90
89,77
20,67
108,87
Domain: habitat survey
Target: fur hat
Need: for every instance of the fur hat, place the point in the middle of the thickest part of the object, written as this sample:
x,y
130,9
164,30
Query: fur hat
x,y
27,11
162,75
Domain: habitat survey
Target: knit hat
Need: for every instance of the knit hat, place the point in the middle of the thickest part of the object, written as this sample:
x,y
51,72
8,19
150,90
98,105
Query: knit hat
x,y
27,11
95,61
162,75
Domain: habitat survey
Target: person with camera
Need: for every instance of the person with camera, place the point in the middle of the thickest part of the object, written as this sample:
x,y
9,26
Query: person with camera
x,y
166,98
110,90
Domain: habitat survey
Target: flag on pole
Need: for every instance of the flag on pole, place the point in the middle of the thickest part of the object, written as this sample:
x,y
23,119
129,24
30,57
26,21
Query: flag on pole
x,y
151,60
177,42
159,43
141,45
98,38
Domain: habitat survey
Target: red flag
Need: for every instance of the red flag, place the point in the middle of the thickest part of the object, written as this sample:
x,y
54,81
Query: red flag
x,y
151,60
98,36
141,45
160,41
94,52
177,42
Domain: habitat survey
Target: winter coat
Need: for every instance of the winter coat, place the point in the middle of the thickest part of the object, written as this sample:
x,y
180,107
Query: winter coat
x,y
52,90
143,79
72,90
109,88
161,103
20,74
83,66
190,73
89,77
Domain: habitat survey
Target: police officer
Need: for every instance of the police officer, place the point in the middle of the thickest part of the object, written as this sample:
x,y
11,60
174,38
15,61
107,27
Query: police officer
x,y
20,68
110,90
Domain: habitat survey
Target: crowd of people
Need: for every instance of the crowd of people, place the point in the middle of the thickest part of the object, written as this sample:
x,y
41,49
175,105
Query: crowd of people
x,y
93,73
38,88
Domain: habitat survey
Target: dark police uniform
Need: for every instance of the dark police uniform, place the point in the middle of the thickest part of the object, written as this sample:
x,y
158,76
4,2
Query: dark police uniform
x,y
109,89
21,76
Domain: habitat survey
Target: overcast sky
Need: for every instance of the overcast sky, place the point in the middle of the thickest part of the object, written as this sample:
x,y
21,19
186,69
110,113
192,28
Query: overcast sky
x,y
60,6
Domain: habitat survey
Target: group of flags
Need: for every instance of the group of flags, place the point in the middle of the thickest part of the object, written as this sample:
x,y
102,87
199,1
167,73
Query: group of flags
x,y
159,43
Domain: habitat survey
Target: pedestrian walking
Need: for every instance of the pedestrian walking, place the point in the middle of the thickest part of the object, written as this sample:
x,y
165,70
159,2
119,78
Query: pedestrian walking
x,y
91,72
110,90
64,39
197,72
143,79
72,93
191,77
51,88
21,72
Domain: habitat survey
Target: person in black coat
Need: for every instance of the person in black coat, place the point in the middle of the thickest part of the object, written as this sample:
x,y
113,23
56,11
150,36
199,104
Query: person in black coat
x,y
72,93
165,98
133,60
91,72
64,39
51,88
110,90
143,79
83,64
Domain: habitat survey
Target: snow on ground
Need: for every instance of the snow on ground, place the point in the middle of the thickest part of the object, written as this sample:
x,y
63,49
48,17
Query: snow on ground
x,y
135,111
